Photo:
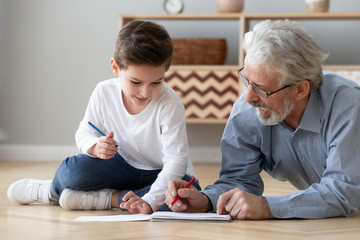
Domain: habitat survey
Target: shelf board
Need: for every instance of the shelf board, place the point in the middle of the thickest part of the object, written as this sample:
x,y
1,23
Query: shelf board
x,y
205,67
235,16
342,67
325,16
207,16
205,121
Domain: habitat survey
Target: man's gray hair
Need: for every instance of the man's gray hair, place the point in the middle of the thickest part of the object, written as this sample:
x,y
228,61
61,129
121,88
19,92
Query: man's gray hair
x,y
286,49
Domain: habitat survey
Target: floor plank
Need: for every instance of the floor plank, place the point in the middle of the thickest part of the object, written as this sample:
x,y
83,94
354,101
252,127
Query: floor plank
x,y
52,222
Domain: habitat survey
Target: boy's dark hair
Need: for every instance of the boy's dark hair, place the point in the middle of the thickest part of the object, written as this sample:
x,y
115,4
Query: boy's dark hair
x,y
143,42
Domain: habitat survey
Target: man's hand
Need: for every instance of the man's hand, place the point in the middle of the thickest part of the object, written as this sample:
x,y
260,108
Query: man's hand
x,y
105,147
191,200
243,205
135,204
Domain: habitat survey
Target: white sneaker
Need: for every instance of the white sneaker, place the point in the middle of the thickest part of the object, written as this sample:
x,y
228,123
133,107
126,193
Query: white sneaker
x,y
26,191
83,200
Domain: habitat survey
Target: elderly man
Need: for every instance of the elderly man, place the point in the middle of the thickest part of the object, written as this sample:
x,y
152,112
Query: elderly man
x,y
295,122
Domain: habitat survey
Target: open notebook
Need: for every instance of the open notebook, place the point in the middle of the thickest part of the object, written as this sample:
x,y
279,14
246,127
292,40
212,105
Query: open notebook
x,y
156,216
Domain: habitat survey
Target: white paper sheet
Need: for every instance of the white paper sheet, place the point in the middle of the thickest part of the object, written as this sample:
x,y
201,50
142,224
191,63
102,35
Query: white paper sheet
x,y
115,218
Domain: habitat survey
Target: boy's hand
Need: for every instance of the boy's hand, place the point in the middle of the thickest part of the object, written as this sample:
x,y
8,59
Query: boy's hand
x,y
135,204
105,147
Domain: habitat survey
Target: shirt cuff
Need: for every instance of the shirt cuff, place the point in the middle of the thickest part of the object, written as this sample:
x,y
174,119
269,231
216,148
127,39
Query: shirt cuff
x,y
213,197
86,146
279,206
154,206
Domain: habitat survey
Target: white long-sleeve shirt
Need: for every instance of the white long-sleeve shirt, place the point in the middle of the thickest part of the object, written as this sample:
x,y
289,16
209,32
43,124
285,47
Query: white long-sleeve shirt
x,y
153,139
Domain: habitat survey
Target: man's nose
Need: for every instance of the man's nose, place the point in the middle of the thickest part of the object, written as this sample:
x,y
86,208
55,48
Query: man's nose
x,y
250,95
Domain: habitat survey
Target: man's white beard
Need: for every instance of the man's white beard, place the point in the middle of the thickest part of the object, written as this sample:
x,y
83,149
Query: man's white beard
x,y
273,117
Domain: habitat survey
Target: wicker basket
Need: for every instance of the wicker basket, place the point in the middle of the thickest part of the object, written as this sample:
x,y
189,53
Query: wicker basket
x,y
199,51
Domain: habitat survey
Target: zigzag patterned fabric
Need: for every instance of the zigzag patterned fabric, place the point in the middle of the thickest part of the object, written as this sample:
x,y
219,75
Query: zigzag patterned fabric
x,y
205,94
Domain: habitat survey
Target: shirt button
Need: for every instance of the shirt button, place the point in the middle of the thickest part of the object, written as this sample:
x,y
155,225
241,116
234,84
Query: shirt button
x,y
281,213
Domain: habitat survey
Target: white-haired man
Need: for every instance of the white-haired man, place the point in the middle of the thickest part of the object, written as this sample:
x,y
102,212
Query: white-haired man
x,y
295,122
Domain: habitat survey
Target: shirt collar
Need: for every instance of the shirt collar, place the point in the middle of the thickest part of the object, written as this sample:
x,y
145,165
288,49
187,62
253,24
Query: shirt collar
x,y
310,120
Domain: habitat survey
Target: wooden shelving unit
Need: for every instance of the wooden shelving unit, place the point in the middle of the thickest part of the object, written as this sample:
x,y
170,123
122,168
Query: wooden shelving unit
x,y
209,91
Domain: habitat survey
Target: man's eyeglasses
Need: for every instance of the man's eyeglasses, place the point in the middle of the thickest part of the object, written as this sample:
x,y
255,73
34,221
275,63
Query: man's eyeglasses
x,y
258,91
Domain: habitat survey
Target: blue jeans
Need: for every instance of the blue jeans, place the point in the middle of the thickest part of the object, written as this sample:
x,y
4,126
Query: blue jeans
x,y
82,172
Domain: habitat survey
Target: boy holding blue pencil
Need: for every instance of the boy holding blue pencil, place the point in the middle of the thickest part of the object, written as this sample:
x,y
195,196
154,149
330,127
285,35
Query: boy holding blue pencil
x,y
133,135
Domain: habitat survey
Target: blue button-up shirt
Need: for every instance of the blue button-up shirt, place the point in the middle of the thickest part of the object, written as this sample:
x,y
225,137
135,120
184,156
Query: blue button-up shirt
x,y
321,157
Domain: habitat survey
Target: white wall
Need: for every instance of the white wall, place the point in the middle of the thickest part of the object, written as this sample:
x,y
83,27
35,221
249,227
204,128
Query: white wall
x,y
52,53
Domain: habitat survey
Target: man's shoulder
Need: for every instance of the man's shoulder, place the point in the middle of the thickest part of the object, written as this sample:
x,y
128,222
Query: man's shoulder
x,y
244,113
334,86
242,107
334,81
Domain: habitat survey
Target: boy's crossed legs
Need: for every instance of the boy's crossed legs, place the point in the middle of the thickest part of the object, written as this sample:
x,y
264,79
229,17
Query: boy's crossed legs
x,y
86,183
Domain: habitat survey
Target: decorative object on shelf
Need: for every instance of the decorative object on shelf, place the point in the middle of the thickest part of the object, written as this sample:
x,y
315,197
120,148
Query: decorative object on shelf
x,y
317,5
174,6
227,6
199,51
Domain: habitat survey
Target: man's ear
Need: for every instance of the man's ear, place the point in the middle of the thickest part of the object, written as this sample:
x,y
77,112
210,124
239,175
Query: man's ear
x,y
114,67
302,89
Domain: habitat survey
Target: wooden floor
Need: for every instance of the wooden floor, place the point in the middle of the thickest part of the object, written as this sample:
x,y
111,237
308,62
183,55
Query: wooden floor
x,y
52,222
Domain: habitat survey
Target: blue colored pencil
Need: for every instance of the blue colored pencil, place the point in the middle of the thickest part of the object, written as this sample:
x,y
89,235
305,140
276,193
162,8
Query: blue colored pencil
x,y
98,130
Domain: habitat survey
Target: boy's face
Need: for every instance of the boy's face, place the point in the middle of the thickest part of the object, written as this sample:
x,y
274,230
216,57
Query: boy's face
x,y
140,84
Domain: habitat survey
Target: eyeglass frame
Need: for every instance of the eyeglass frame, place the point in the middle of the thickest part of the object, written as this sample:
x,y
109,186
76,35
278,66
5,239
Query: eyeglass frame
x,y
262,94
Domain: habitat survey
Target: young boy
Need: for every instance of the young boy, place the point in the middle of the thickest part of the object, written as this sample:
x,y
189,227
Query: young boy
x,y
143,116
